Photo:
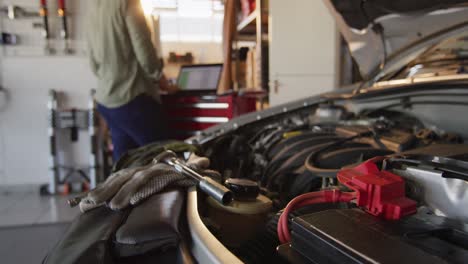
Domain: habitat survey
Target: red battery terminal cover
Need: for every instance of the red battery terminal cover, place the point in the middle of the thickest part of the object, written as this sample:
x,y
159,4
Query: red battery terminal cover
x,y
380,193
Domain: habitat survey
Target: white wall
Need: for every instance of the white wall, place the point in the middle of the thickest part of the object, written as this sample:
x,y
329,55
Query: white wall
x,y
303,50
23,124
28,74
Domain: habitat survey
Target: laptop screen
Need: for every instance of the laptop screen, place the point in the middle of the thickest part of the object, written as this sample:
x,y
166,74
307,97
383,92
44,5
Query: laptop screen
x,y
199,77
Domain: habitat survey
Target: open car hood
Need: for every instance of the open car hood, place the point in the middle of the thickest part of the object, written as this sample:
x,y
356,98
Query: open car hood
x,y
377,29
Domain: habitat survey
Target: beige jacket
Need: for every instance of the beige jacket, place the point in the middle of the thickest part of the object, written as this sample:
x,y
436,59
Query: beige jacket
x,y
121,52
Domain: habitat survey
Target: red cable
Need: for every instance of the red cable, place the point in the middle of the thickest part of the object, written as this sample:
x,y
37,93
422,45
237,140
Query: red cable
x,y
316,197
328,196
283,221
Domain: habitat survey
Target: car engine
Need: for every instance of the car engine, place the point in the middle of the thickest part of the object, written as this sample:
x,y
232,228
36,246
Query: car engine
x,y
335,186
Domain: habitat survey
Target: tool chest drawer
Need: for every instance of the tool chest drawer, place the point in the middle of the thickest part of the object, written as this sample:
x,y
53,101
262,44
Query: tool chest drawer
x,y
190,114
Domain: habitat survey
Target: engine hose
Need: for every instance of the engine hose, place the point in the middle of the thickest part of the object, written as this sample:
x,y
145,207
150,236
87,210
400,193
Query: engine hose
x,y
294,166
292,163
257,135
293,147
287,142
283,156
327,196
310,160
341,158
280,136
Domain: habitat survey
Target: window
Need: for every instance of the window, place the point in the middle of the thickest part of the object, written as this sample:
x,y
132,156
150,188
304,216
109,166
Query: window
x,y
188,20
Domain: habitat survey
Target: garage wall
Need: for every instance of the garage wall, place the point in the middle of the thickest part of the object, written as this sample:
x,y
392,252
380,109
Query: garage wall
x,y
27,74
303,50
23,123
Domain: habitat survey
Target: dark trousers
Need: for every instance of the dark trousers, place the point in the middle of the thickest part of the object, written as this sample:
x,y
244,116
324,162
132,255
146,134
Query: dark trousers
x,y
135,124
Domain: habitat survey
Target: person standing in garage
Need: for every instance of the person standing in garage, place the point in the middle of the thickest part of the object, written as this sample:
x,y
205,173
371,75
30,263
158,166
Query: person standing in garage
x,y
126,65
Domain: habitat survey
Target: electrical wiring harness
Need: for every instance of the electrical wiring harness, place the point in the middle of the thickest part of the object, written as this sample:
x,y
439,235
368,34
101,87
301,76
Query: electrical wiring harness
x,y
379,193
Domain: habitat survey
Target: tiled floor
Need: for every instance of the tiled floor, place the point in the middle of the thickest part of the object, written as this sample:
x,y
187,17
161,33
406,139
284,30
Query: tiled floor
x,y
30,223
22,205
29,244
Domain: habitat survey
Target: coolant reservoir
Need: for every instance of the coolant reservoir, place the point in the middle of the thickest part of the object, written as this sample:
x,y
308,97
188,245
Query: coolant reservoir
x,y
239,220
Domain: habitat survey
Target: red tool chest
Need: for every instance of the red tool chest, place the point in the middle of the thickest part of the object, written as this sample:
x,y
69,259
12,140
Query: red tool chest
x,y
189,114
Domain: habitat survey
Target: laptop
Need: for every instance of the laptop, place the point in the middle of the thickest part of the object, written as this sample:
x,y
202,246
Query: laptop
x,y
199,78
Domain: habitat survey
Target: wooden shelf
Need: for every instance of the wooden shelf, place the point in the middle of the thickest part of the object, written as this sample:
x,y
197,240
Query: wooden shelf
x,y
252,31
246,38
248,24
251,38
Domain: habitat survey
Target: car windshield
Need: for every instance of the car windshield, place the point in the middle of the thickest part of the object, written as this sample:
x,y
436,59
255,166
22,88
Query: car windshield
x,y
449,57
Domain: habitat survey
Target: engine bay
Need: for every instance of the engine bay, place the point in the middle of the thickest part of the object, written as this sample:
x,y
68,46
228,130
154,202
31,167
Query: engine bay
x,y
330,185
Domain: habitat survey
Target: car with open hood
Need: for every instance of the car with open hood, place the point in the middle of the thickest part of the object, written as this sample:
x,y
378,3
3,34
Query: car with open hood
x,y
409,108
375,173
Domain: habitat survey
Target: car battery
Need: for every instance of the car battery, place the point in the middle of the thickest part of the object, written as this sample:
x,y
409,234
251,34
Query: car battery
x,y
353,236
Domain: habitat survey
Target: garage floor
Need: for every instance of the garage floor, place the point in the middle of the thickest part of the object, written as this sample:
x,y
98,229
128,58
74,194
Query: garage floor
x,y
30,224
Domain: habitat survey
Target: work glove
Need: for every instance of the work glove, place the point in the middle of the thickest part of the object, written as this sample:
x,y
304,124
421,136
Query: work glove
x,y
131,186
